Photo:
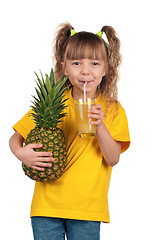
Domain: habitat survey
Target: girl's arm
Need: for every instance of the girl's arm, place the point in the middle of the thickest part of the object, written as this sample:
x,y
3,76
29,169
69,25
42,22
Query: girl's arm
x,y
31,158
109,147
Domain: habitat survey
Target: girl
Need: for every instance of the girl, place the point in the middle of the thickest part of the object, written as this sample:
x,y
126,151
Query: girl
x,y
76,203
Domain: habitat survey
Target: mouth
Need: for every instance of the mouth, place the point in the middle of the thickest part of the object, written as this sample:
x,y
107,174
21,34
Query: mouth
x,y
88,82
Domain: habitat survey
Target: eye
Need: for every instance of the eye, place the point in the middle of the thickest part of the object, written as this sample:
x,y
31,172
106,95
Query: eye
x,y
95,63
76,63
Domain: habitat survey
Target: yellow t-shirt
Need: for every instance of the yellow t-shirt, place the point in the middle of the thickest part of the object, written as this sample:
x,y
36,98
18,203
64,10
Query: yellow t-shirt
x,y
82,191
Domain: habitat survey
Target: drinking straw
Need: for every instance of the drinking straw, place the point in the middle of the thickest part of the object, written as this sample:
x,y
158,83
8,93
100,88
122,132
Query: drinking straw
x,y
85,93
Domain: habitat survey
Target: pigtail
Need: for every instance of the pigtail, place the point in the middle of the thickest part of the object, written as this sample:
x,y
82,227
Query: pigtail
x,y
60,42
114,60
113,47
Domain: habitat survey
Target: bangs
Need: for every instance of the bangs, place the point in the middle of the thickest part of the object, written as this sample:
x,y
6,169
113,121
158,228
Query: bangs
x,y
85,45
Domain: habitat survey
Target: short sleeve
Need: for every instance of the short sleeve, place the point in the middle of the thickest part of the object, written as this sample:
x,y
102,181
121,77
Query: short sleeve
x,y
119,129
25,124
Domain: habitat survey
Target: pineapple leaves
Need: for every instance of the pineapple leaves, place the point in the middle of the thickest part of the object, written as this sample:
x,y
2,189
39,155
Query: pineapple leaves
x,y
59,85
42,88
48,105
48,84
41,98
61,92
52,77
52,93
42,77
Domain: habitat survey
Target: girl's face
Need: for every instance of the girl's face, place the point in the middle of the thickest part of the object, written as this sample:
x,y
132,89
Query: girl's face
x,y
85,70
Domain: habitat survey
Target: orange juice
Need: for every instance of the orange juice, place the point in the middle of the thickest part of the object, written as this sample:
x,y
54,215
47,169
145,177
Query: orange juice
x,y
85,128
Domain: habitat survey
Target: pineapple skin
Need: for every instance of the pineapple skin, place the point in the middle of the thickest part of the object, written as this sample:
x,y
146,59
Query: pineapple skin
x,y
53,140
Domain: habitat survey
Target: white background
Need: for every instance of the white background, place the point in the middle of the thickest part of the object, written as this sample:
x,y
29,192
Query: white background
x,y
27,29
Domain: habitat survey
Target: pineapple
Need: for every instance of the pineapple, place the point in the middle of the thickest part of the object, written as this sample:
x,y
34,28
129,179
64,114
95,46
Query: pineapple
x,y
48,109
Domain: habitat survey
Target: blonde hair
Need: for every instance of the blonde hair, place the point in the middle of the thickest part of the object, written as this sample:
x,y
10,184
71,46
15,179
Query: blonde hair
x,y
73,47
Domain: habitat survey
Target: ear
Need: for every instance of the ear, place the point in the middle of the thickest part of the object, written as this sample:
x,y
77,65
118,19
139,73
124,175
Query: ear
x,y
105,69
64,68
104,73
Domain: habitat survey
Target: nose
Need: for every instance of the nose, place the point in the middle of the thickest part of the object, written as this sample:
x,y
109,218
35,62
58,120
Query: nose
x,y
85,70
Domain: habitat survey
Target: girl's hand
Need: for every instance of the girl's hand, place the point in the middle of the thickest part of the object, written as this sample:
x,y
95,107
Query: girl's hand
x,y
96,114
33,159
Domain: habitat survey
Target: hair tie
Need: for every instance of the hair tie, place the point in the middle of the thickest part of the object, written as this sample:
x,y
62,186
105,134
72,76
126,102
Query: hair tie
x,y
99,34
73,32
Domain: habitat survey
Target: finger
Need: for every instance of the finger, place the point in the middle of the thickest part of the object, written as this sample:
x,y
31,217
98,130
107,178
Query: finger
x,y
45,159
35,145
98,106
44,154
42,164
95,116
38,168
97,111
96,122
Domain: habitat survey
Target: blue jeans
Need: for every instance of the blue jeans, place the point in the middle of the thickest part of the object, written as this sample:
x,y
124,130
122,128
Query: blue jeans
x,y
47,228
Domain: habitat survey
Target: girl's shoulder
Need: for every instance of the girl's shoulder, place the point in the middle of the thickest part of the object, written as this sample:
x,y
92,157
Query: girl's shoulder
x,y
108,105
115,109
112,109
